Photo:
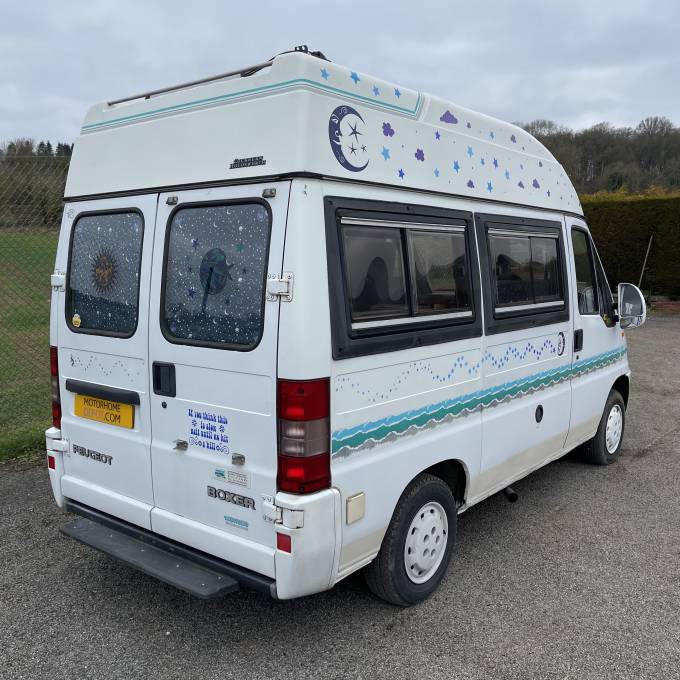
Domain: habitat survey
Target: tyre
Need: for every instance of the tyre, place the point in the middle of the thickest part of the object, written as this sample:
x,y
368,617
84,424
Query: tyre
x,y
418,544
605,446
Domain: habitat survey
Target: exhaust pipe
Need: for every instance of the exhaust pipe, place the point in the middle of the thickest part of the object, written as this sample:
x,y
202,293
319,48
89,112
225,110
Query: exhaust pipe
x,y
510,494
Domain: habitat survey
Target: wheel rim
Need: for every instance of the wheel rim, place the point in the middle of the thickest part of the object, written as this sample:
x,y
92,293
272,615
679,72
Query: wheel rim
x,y
614,428
426,542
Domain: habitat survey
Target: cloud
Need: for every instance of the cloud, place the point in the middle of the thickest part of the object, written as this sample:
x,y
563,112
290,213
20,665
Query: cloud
x,y
448,117
577,63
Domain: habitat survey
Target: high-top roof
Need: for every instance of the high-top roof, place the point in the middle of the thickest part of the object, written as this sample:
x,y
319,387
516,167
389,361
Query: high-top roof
x,y
299,113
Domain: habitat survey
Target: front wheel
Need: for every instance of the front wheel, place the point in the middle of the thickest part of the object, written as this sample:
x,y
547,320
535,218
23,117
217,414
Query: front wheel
x,y
605,446
418,544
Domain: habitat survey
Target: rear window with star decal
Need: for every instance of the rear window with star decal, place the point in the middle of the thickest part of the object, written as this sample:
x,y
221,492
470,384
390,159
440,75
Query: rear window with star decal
x,y
215,273
103,285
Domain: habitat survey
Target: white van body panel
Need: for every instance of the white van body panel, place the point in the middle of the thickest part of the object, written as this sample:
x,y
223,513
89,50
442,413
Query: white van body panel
x,y
295,109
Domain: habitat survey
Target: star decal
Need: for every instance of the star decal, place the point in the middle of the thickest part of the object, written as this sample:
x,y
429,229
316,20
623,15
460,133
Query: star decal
x,y
354,77
437,135
376,90
492,134
191,292
385,153
353,149
482,161
324,74
507,174
470,152
397,94
548,192
489,187
363,147
436,172
495,163
401,173
355,133
194,243
456,166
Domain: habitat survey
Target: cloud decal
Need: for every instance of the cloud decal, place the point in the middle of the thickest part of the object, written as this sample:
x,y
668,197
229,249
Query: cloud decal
x,y
471,184
388,130
448,117
420,155
535,184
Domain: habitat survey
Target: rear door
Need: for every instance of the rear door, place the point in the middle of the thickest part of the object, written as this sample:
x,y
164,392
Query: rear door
x,y
103,355
213,358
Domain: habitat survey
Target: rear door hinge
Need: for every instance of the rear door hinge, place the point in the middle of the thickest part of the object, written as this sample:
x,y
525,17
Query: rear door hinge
x,y
58,281
280,287
270,512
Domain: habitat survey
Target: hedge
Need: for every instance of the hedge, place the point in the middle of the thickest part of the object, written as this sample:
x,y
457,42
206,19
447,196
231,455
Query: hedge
x,y
621,227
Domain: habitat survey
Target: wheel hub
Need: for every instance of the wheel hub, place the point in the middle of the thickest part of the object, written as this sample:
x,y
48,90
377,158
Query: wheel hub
x,y
426,542
614,428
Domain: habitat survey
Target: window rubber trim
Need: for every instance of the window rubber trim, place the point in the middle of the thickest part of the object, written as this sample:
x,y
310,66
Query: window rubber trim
x,y
67,300
505,321
234,347
418,331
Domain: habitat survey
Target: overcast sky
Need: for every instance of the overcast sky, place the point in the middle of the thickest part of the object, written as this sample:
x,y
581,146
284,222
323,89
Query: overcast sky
x,y
577,62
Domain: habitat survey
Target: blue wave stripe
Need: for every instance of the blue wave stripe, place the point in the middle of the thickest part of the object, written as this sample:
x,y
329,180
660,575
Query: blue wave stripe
x,y
470,401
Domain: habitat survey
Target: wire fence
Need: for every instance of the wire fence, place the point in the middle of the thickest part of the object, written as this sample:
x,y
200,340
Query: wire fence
x,y
31,191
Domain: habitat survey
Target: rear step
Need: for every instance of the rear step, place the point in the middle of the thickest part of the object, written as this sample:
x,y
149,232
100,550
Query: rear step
x,y
194,572
177,571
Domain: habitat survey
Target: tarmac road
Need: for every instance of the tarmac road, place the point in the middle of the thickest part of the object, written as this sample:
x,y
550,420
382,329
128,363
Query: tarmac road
x,y
579,579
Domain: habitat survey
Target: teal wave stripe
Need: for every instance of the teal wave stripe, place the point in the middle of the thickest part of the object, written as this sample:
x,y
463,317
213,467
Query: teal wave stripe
x,y
353,438
196,103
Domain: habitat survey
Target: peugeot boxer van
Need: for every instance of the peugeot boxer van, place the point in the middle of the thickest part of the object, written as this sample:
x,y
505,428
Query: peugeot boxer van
x,y
303,318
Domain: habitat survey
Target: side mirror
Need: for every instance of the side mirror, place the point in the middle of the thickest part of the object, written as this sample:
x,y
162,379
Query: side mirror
x,y
632,306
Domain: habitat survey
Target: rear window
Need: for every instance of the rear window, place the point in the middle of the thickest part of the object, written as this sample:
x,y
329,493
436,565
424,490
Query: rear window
x,y
215,273
103,287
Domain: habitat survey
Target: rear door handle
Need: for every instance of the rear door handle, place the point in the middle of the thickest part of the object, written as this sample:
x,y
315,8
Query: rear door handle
x,y
164,379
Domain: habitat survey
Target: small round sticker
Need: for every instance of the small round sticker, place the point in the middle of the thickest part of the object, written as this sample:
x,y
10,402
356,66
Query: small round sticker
x,y
75,320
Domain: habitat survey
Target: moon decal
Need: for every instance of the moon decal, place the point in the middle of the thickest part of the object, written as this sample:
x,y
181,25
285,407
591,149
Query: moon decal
x,y
353,148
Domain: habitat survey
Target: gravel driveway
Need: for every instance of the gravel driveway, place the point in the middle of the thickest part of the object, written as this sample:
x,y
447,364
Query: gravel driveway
x,y
579,579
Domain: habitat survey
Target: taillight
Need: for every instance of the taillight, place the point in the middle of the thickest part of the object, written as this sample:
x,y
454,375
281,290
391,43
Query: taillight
x,y
304,435
54,385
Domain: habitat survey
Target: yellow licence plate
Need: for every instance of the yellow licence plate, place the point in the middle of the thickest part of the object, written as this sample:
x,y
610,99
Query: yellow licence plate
x,y
105,411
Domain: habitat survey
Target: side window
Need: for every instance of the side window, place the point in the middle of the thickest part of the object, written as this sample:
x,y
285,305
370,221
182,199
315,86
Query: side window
x,y
440,271
586,283
405,270
375,273
215,271
525,270
103,273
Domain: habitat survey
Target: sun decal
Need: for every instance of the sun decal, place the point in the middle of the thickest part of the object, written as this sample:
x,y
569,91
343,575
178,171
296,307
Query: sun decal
x,y
104,270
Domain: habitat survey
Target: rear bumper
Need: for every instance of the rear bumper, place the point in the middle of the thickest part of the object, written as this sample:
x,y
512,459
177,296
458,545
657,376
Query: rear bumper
x,y
191,570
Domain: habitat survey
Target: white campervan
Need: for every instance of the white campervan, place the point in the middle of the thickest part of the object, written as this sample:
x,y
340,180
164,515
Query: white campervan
x,y
302,318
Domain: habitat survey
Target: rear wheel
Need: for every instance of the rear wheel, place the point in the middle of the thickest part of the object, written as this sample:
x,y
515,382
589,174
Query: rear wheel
x,y
418,545
605,446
